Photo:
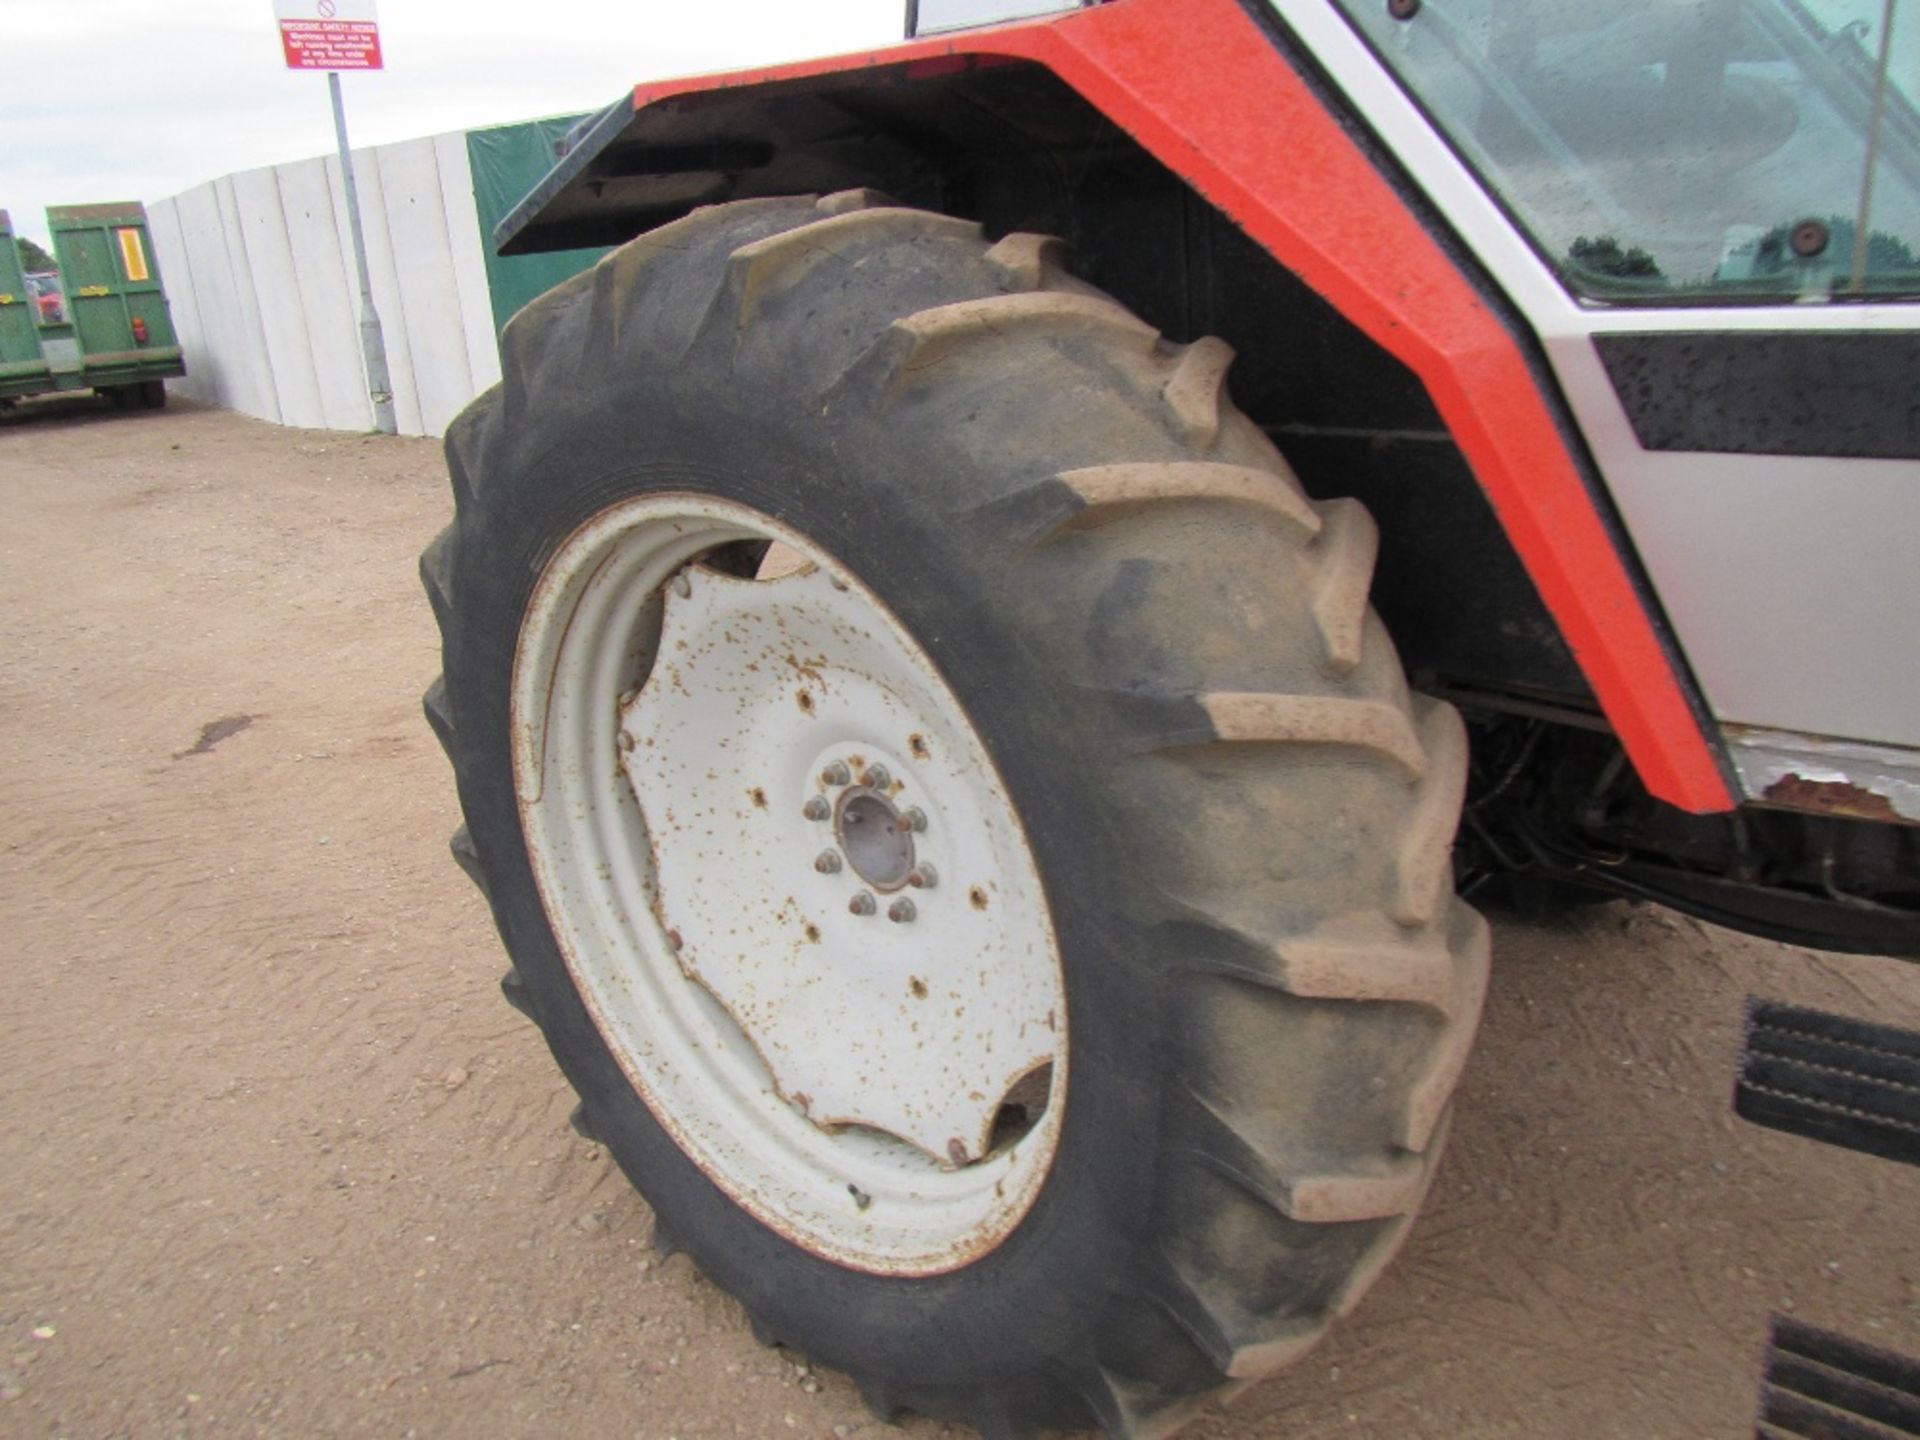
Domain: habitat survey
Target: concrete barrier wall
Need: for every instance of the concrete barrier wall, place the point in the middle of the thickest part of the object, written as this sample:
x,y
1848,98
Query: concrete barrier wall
x,y
259,269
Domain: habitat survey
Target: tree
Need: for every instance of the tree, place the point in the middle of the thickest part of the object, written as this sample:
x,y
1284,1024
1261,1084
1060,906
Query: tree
x,y
34,258
1605,256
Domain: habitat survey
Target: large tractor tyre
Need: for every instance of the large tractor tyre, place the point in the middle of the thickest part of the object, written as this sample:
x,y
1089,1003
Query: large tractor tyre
x,y
952,812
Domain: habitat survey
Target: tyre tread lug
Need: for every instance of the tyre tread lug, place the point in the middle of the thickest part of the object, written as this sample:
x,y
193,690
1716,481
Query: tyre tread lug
x,y
840,202
436,576
467,856
1240,1346
1347,550
1365,956
1196,392
513,989
923,341
1123,1416
439,712
462,445
582,1125
760,268
1027,260
1360,1279
1423,864
1427,1100
1236,1149
1110,492
1257,717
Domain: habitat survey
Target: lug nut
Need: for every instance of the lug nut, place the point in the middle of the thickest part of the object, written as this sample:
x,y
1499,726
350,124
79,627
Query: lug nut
x,y
827,862
876,778
923,877
817,808
917,818
861,904
682,586
901,912
836,774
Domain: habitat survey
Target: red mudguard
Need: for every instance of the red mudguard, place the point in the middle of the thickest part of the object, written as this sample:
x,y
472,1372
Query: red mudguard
x,y
1203,89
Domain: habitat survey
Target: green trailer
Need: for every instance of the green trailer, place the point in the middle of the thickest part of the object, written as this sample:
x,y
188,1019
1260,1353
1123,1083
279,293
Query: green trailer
x,y
23,364
102,323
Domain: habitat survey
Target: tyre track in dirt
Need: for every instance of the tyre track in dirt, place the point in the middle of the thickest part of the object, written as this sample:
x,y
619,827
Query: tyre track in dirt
x,y
278,1161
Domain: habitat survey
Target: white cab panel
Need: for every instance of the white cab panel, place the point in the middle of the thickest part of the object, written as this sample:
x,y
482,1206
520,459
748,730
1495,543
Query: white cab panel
x,y
1790,581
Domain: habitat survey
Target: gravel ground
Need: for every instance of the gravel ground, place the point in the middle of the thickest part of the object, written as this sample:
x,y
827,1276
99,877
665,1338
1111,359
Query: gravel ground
x,y
278,1160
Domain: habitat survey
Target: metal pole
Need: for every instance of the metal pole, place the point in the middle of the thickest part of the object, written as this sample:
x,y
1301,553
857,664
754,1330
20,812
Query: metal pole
x,y
1863,217
373,345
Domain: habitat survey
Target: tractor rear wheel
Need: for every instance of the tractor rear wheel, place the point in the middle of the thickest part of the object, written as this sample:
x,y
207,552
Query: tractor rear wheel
x,y
951,811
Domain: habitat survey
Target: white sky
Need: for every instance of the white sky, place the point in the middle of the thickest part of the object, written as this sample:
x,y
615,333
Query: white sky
x,y
141,99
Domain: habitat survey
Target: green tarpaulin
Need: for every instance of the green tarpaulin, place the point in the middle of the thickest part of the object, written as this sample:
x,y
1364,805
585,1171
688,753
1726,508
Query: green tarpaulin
x,y
507,162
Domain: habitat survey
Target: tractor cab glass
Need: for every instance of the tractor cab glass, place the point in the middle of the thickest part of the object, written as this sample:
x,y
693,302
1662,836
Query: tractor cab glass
x,y
1677,151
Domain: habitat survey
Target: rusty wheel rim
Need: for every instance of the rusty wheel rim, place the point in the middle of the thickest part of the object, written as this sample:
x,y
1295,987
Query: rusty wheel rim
x,y
790,885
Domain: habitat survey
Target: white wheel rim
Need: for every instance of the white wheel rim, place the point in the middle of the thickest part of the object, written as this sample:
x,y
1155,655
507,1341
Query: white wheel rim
x,y
847,1078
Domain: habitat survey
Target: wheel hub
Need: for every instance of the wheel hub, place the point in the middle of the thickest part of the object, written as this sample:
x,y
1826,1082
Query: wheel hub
x,y
875,837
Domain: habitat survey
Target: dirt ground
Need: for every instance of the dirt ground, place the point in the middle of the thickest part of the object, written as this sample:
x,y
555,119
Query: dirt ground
x,y
275,1159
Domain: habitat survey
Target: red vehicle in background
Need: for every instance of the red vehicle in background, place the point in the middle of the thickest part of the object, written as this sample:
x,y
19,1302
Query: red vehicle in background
x,y
50,302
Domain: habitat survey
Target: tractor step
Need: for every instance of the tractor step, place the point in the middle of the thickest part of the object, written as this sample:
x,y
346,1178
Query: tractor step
x,y
1822,1386
1839,1081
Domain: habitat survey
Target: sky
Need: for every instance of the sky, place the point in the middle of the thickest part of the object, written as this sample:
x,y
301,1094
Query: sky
x,y
142,99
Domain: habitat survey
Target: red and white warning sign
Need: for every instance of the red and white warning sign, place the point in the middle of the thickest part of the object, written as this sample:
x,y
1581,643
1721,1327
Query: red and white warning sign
x,y
329,34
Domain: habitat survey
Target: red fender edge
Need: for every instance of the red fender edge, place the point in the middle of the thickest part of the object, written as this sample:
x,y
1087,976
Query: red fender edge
x,y
1204,90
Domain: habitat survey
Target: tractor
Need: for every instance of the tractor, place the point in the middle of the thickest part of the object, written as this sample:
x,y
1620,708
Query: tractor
x,y
989,643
